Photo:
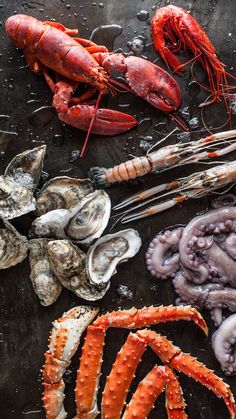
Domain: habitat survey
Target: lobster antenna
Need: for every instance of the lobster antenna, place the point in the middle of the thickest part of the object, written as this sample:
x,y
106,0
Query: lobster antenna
x,y
91,125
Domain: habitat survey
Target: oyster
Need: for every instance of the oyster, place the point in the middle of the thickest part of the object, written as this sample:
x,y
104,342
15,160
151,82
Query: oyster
x,y
68,263
29,162
109,251
62,192
81,224
18,183
15,198
45,283
13,246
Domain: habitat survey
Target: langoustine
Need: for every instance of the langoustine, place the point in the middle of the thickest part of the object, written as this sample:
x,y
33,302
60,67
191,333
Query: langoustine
x,y
166,158
200,259
123,370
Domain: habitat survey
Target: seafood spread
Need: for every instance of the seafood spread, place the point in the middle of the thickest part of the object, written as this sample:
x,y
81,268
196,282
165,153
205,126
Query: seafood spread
x,y
124,368
201,260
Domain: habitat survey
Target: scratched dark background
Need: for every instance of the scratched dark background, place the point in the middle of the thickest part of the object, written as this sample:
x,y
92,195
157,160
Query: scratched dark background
x,y
25,324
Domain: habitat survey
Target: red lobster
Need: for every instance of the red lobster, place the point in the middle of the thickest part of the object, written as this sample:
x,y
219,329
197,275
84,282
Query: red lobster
x,y
174,28
47,45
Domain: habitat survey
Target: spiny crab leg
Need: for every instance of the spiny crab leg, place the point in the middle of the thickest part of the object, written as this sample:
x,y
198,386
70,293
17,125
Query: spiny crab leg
x,y
172,356
63,343
148,391
91,359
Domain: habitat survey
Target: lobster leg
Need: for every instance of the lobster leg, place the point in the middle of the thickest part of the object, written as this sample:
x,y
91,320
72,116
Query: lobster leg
x,y
185,363
61,27
150,388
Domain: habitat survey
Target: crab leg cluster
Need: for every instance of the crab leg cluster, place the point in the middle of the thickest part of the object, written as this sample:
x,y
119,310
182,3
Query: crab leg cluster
x,y
64,341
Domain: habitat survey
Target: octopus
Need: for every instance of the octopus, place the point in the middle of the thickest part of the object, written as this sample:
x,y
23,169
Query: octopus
x,y
224,345
201,261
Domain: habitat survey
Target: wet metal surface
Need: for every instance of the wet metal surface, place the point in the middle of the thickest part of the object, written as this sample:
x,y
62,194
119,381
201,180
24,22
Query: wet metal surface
x,y
27,120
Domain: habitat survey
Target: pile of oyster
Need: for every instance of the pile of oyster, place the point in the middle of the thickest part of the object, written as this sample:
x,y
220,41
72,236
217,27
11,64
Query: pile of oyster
x,y
69,212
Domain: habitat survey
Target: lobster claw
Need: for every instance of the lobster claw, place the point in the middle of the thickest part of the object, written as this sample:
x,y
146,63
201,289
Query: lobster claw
x,y
153,84
107,121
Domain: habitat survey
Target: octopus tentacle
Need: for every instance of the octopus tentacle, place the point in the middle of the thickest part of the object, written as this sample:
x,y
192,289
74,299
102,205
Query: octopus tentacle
x,y
162,256
224,345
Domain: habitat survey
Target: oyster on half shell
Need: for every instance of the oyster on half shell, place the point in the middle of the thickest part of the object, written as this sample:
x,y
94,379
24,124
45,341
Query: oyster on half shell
x,y
18,183
68,262
108,252
44,281
81,224
62,192
13,246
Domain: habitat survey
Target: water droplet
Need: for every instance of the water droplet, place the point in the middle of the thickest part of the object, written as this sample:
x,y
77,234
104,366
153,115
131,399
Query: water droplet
x,y
41,116
144,124
58,140
4,117
125,292
142,15
101,5
194,123
185,112
137,44
154,7
74,155
68,6
106,35
193,88
233,102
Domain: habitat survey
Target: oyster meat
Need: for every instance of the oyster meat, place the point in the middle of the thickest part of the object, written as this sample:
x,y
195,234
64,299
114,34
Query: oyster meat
x,y
13,246
109,251
68,262
62,192
44,281
81,224
18,183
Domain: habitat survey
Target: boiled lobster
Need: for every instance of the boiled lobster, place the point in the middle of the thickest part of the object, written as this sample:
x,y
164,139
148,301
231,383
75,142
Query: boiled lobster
x,y
48,45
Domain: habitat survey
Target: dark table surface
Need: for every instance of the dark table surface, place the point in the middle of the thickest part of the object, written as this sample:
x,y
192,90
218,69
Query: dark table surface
x,y
25,324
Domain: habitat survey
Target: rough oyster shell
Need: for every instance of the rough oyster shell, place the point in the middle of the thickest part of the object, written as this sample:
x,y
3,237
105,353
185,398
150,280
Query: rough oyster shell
x,y
30,162
15,198
81,224
44,281
19,181
13,246
109,251
68,263
62,192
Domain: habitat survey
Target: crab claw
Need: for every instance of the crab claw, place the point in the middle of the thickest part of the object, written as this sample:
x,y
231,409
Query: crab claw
x,y
107,121
153,84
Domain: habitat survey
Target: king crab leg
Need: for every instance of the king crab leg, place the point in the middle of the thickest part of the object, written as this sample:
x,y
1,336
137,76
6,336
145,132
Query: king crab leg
x,y
63,343
91,359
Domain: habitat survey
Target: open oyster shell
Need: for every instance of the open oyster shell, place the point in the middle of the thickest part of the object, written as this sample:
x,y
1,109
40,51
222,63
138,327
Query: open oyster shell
x,y
30,162
44,281
18,183
13,246
68,263
62,192
81,224
108,252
